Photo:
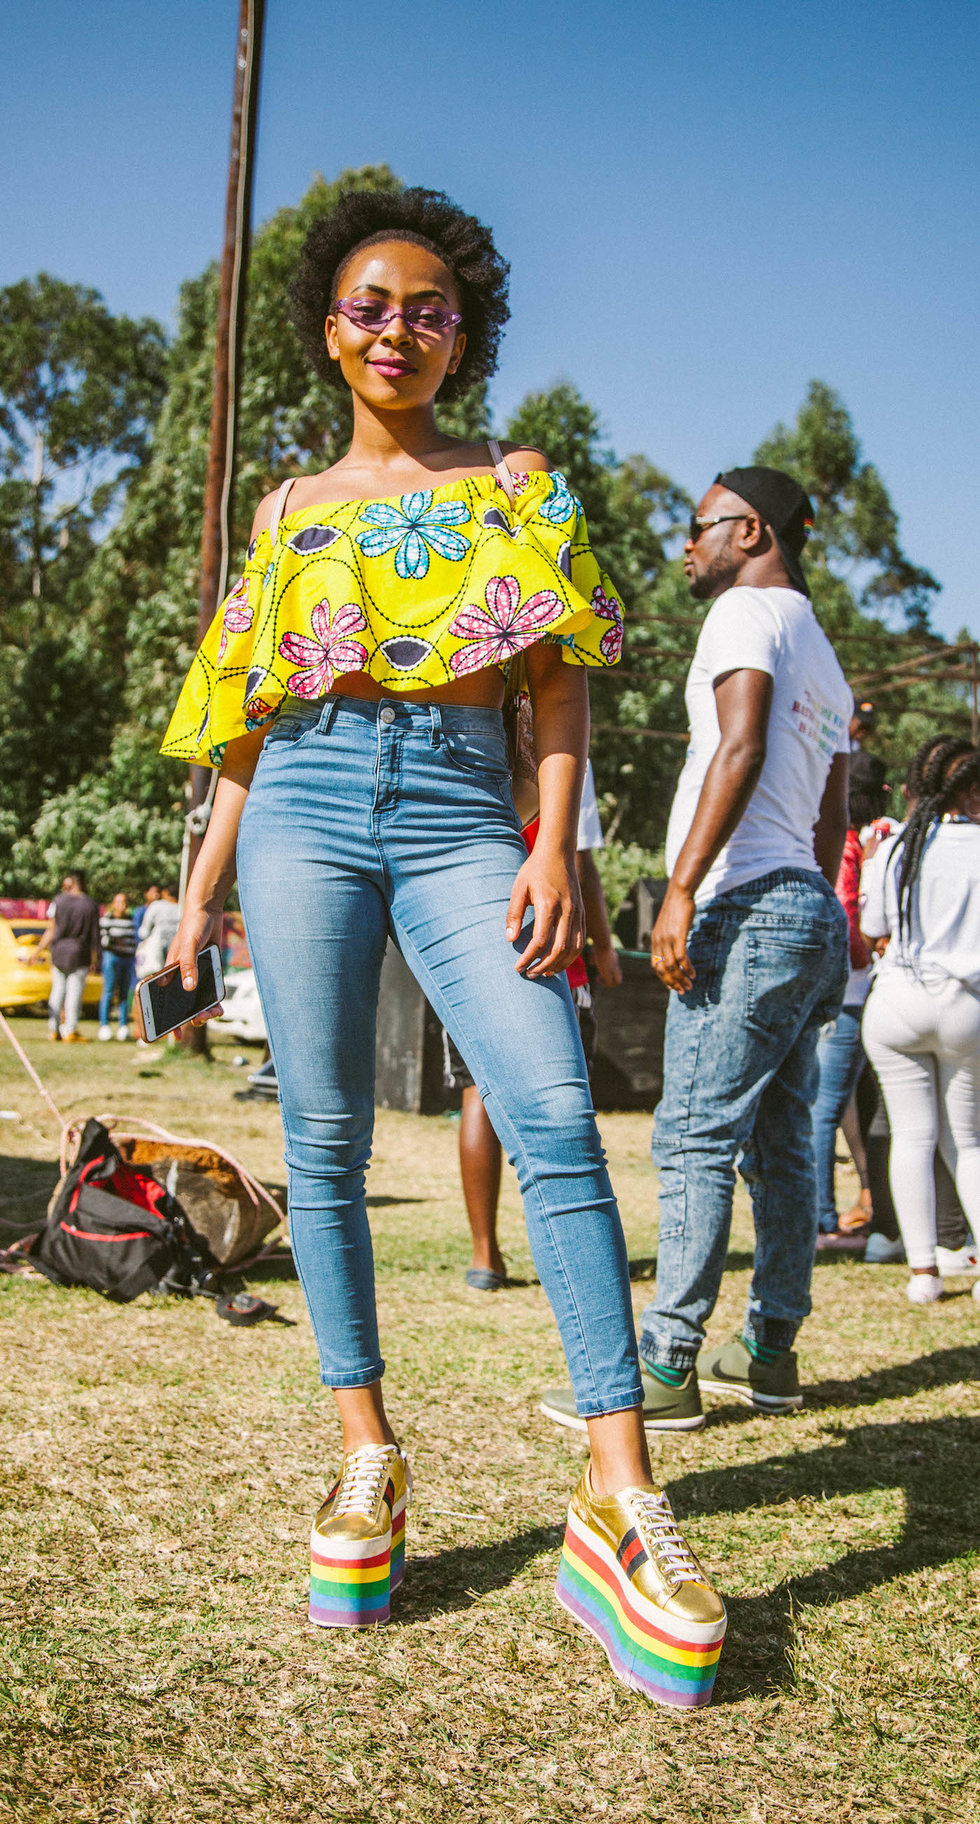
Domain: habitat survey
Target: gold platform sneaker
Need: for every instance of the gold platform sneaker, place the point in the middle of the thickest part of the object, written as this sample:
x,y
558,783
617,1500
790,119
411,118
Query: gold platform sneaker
x,y
358,1543
628,1575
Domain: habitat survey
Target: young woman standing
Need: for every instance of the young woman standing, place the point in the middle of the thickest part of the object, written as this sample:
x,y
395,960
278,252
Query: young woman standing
x,y
350,690
921,1025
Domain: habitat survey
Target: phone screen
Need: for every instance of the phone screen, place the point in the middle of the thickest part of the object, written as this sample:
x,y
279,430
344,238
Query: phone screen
x,y
172,1003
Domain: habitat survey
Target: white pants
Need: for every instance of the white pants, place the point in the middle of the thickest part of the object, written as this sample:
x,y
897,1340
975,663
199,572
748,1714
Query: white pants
x,y
66,992
924,1043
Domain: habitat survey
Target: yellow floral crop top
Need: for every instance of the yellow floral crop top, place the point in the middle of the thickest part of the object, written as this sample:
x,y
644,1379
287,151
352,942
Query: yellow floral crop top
x,y
416,591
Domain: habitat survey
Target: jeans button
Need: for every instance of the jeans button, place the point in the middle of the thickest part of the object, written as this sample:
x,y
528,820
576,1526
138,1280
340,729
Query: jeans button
x,y
387,715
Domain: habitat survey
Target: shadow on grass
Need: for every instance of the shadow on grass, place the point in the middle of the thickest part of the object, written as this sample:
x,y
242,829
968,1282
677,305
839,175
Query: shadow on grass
x,y
934,1462
944,1368
439,1583
644,1266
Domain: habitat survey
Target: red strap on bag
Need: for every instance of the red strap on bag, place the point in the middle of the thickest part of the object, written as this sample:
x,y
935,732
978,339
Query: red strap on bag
x,y
127,1183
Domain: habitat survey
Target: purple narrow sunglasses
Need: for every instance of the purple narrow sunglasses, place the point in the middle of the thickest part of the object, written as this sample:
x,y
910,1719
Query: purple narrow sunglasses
x,y
374,314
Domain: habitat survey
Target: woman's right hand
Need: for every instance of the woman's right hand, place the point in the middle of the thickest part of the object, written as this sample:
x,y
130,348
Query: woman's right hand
x,y
199,927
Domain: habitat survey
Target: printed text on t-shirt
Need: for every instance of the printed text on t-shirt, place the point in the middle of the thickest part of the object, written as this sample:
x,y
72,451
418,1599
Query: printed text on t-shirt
x,y
819,723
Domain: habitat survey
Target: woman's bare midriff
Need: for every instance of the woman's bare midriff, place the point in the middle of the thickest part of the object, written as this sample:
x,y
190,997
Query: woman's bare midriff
x,y
485,690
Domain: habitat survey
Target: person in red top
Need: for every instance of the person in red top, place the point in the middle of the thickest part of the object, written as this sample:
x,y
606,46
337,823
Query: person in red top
x,y
480,1154
839,1052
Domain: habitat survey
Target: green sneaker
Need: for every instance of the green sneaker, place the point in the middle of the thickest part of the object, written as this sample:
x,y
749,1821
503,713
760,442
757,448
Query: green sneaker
x,y
672,1408
733,1371
664,1408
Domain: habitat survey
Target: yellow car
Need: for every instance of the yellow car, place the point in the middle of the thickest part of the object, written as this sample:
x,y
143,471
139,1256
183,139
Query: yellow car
x,y
23,984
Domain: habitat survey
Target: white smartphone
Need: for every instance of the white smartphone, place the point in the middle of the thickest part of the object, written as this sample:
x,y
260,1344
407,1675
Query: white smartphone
x,y
162,1002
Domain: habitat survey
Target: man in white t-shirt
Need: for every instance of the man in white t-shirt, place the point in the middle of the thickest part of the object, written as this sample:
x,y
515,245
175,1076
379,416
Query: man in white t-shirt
x,y
754,942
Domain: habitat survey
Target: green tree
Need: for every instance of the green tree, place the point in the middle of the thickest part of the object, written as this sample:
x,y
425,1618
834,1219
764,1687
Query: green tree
x,y
122,824
79,390
632,507
861,579
855,536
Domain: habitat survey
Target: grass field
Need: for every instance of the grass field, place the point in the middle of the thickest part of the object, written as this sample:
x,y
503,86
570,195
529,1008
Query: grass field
x,y
161,1470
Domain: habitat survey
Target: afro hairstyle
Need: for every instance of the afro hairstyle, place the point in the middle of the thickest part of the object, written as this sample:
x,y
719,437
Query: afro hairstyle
x,y
429,219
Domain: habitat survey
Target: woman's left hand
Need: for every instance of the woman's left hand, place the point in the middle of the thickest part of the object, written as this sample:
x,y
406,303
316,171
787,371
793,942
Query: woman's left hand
x,y
548,885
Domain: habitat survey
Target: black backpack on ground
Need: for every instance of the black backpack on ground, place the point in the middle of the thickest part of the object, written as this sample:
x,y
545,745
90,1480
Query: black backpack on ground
x,y
114,1228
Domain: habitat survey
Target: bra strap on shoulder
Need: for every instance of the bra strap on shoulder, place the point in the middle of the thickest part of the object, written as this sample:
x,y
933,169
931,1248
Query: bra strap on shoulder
x,y
505,474
280,507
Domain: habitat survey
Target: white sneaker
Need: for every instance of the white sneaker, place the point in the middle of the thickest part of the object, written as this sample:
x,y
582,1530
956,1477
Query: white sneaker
x,y
957,1260
924,1289
105,1032
976,1291
123,1034
879,1252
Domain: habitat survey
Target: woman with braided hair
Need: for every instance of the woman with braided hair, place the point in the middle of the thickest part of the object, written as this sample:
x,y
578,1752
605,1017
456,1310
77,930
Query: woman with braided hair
x,y
921,1025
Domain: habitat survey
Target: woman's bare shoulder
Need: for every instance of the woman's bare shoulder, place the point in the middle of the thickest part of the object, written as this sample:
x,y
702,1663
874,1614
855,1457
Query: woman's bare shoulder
x,y
304,491
524,457
263,513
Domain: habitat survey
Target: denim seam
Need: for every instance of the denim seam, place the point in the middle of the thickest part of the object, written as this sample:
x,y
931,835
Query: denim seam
x,y
362,1377
559,1265
681,1351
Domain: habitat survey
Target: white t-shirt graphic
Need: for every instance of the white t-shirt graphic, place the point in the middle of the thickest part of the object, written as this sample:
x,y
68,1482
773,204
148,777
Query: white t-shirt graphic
x,y
776,631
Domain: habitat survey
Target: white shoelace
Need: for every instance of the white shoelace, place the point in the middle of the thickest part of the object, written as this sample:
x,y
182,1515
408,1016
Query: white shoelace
x,y
662,1536
362,1479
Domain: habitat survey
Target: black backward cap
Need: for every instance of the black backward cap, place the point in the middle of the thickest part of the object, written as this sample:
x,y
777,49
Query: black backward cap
x,y
784,506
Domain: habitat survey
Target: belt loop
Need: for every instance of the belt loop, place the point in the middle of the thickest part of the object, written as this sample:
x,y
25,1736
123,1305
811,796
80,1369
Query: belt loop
x,y
435,715
327,715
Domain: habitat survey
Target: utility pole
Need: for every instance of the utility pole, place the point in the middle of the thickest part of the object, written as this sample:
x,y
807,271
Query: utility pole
x,y
216,536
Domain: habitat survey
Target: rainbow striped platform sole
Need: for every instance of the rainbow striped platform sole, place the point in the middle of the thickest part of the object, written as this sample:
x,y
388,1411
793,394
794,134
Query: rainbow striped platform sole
x,y
670,1661
351,1580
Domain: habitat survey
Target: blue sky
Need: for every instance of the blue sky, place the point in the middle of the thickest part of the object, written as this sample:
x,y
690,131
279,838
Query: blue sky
x,y
705,205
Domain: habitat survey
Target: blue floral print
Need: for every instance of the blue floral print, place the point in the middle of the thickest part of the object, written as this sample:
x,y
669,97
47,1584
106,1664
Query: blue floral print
x,y
561,504
415,527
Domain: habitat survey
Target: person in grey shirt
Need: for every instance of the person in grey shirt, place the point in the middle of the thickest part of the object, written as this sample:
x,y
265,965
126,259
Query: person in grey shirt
x,y
72,937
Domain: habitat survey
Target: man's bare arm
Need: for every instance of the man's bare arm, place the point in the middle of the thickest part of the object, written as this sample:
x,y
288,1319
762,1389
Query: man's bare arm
x,y
743,699
831,825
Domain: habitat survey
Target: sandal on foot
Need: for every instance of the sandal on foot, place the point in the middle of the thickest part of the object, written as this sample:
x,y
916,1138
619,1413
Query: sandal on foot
x,y
484,1279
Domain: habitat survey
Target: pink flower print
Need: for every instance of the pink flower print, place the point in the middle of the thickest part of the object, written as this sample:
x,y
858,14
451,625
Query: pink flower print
x,y
495,633
330,650
237,616
609,609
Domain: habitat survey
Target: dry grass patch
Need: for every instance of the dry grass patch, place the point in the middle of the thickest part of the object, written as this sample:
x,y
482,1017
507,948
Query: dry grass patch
x,y
161,1470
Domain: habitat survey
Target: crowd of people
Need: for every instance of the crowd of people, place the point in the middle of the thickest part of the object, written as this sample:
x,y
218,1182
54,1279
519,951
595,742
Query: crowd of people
x,y
363,692
123,944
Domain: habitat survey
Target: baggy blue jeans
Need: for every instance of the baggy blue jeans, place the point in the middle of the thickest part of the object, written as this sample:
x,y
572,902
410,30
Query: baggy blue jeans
x,y
369,820
740,1075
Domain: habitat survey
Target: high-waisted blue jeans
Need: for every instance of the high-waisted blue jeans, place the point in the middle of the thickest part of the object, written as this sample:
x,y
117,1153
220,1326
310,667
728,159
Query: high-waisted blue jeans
x,y
370,820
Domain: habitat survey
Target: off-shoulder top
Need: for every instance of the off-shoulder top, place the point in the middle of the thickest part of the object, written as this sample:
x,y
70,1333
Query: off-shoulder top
x,y
415,591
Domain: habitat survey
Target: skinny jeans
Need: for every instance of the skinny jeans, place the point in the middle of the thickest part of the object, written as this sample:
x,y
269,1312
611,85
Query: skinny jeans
x,y
369,821
923,1039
